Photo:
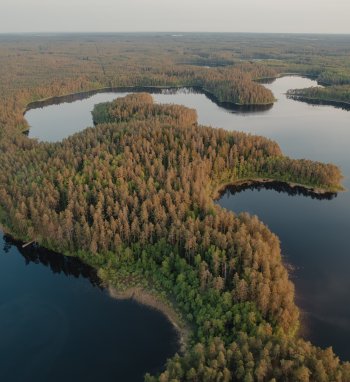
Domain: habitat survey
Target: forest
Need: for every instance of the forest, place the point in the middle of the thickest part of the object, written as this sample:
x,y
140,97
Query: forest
x,y
225,65
133,196
332,94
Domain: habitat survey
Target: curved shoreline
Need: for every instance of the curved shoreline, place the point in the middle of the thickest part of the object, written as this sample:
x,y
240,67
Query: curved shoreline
x,y
75,96
140,295
145,297
285,74
318,101
312,190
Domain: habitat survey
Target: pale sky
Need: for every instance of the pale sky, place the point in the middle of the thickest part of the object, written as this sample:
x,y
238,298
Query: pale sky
x,y
296,16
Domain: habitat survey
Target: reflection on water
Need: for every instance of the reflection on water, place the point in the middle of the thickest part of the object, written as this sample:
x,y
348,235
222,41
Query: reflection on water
x,y
313,230
278,187
57,263
57,118
336,104
70,98
58,324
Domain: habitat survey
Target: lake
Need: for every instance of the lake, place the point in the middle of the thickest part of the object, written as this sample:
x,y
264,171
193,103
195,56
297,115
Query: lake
x,y
314,233
58,324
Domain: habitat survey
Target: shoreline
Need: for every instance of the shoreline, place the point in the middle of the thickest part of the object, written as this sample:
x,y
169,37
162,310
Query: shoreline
x,y
110,89
220,189
318,101
286,74
141,295
152,300
76,96
248,107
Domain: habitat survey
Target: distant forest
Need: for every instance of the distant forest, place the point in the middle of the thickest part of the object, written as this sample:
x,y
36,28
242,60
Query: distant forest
x,y
133,196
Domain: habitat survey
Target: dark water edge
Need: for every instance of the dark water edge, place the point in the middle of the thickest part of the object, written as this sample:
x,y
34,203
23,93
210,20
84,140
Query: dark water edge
x,y
278,186
314,101
310,323
70,98
301,226
56,262
59,323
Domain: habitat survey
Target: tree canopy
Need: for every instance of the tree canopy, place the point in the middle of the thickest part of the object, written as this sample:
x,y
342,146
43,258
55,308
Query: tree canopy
x,y
133,196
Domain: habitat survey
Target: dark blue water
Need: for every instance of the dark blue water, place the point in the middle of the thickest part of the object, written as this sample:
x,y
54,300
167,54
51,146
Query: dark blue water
x,y
315,234
58,324
315,239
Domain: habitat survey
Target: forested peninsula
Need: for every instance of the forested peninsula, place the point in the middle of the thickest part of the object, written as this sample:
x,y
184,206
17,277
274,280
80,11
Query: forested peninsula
x,y
133,197
334,95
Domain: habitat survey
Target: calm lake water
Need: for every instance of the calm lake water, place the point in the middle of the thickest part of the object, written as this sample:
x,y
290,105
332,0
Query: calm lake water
x,y
57,324
315,234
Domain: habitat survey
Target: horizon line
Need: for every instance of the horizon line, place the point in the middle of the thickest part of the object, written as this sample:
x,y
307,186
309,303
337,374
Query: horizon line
x,y
170,32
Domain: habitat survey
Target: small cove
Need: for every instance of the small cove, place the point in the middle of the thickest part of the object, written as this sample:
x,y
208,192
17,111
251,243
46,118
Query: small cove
x,y
57,322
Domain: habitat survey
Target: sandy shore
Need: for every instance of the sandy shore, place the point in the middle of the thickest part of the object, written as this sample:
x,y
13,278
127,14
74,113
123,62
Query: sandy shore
x,y
150,299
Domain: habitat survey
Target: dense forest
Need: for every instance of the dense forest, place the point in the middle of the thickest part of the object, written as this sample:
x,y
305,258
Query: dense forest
x,y
226,65
133,196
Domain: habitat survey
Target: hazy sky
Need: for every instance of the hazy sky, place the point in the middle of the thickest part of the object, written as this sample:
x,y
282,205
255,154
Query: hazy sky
x,y
319,16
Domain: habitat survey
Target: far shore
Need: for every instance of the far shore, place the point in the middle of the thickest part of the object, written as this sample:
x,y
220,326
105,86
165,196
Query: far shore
x,y
60,98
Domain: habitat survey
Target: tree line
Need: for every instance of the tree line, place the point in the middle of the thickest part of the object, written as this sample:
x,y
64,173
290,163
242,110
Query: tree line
x,y
340,94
